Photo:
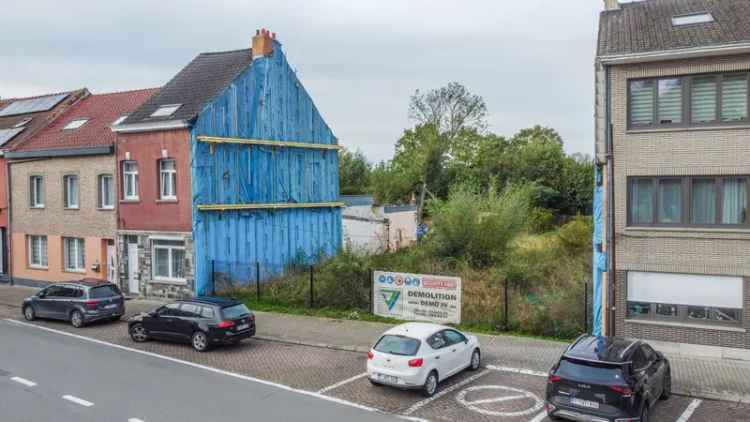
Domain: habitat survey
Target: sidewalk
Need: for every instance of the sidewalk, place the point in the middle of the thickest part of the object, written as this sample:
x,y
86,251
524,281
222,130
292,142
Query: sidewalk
x,y
719,379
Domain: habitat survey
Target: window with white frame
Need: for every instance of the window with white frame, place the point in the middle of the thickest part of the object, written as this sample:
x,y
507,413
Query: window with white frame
x,y
106,191
36,191
168,179
37,251
71,191
74,254
130,180
168,260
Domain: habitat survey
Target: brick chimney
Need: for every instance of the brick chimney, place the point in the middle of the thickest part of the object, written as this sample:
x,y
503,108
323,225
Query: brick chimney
x,y
611,5
263,43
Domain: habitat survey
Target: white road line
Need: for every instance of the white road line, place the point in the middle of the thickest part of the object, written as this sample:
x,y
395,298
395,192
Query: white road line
x,y
77,400
135,420
204,367
539,418
425,402
23,381
518,371
685,416
496,399
339,384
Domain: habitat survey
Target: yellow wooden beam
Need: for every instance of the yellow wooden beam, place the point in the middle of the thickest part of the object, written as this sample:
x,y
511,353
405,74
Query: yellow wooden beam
x,y
272,206
266,142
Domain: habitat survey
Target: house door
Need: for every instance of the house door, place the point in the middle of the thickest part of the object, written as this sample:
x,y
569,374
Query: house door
x,y
133,268
111,262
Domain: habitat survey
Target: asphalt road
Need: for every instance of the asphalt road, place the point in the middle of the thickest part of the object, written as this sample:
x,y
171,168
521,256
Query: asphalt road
x,y
77,380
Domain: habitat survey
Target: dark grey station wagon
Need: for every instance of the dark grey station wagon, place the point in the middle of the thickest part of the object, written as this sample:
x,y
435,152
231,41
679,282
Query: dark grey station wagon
x,y
79,302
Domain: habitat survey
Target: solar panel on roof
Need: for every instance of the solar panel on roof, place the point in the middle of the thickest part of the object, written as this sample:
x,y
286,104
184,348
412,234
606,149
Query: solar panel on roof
x,y
32,105
8,134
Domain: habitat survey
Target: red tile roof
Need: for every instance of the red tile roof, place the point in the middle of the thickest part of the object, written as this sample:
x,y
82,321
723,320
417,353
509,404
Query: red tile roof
x,y
101,110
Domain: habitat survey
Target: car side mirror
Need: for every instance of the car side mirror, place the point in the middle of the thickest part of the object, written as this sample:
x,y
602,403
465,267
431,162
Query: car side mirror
x,y
660,355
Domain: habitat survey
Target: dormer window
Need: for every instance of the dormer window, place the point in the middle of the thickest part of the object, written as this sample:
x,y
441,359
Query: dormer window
x,y
120,120
692,19
23,122
166,110
75,124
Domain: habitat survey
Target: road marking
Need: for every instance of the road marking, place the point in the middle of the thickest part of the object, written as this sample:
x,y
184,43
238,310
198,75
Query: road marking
x,y
339,384
77,400
685,416
518,371
420,404
540,417
206,368
135,420
23,381
500,397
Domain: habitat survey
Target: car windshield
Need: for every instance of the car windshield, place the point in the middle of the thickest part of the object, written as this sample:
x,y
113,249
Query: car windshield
x,y
235,311
590,372
398,345
103,291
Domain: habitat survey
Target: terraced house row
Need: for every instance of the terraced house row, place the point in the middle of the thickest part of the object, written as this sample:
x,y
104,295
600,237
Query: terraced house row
x,y
228,164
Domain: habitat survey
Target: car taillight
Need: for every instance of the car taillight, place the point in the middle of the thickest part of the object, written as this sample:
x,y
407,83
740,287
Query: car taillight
x,y
553,379
416,363
91,303
370,355
225,324
622,390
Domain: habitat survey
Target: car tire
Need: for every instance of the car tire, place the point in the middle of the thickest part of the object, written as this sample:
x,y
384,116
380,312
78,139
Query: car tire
x,y
476,360
28,313
644,413
76,319
430,384
376,384
138,333
199,341
667,392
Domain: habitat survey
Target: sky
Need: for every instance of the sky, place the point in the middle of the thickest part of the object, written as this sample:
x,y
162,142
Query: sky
x,y
532,60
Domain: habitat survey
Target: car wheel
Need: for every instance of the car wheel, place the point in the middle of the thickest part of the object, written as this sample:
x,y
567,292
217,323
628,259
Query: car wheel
x,y
430,385
476,360
28,313
138,333
200,341
644,413
376,384
667,386
76,319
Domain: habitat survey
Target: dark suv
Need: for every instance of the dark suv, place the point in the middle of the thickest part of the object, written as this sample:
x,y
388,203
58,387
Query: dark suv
x,y
79,302
203,321
607,379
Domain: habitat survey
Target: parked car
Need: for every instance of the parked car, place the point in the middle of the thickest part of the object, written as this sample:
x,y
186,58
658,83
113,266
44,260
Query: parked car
x,y
420,355
607,379
79,302
203,322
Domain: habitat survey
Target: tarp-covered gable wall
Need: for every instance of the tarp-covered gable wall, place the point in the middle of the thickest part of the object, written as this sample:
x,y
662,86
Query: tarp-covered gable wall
x,y
266,101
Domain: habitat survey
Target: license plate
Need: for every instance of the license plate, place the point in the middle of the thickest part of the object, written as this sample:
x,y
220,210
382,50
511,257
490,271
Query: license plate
x,y
243,327
111,306
584,403
388,378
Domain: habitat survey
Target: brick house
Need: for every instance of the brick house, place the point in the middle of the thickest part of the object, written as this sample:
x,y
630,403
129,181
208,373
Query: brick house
x,y
230,162
673,153
64,214
20,119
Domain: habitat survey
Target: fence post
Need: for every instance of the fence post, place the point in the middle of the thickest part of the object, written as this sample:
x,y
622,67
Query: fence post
x,y
213,278
586,307
312,290
372,291
257,280
505,309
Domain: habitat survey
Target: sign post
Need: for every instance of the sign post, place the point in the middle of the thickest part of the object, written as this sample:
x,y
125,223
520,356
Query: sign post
x,y
417,297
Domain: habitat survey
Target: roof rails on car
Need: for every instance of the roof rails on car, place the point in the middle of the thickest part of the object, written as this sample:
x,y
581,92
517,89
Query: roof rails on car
x,y
625,350
581,337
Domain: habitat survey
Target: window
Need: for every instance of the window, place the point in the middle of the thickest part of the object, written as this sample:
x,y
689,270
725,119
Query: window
x,y
168,179
234,312
169,260
453,337
104,291
106,191
38,251
688,201
70,191
36,191
74,254
437,341
130,180
692,19
173,309
700,100
166,110
397,345
190,310
207,312
75,124
684,298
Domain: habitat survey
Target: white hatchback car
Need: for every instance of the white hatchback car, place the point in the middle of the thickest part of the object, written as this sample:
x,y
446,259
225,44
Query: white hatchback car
x,y
419,355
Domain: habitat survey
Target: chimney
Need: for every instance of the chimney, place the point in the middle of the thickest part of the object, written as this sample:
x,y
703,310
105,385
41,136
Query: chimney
x,y
611,5
263,43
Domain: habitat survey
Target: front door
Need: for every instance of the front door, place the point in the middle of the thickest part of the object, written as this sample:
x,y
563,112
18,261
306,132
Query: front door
x,y
111,262
133,285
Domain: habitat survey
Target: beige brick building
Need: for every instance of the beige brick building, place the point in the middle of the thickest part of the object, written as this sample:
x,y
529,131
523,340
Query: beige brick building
x,y
673,145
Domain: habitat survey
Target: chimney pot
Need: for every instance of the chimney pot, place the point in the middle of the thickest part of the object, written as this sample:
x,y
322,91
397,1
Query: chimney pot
x,y
262,44
611,5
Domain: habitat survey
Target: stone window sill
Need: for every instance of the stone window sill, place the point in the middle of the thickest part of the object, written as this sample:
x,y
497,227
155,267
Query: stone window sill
x,y
687,325
687,229
168,281
687,129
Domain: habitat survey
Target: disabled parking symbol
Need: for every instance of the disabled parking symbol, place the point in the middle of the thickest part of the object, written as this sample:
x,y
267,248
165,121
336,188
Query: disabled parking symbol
x,y
499,400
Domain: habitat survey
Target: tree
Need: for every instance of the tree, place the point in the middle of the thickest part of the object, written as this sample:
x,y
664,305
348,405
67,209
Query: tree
x,y
354,173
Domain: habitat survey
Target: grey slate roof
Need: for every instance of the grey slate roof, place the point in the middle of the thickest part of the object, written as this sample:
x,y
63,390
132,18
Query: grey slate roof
x,y
646,26
194,86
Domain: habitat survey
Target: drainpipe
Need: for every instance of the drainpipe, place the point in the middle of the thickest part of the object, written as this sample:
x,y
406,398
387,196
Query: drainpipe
x,y
611,268
9,231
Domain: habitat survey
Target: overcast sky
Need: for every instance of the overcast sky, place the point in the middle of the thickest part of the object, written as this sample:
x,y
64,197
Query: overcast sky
x,y
531,60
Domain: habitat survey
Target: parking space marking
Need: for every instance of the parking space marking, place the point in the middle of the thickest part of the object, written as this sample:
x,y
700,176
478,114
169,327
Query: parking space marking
x,y
135,420
23,381
340,383
425,402
518,371
539,418
500,397
77,400
689,410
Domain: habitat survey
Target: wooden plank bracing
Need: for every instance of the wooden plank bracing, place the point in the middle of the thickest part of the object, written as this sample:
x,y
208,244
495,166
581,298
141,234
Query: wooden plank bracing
x,y
272,206
267,142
